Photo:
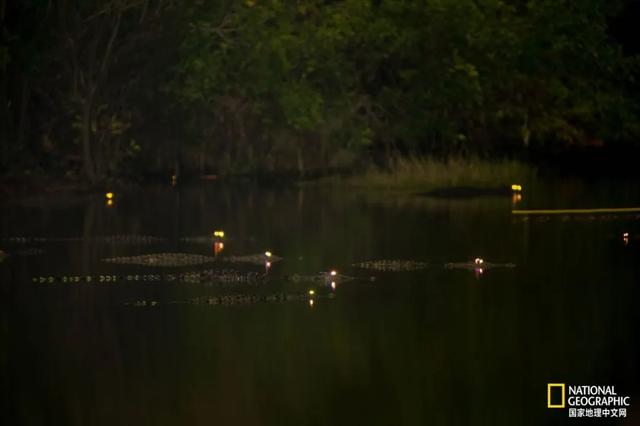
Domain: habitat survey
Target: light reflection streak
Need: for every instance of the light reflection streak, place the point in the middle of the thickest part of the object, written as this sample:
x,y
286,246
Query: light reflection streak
x,y
218,246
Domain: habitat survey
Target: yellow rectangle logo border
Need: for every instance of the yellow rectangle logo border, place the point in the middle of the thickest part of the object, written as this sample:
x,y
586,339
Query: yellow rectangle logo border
x,y
549,387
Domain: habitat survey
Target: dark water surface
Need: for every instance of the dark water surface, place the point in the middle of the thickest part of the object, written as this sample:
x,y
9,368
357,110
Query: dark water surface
x,y
434,346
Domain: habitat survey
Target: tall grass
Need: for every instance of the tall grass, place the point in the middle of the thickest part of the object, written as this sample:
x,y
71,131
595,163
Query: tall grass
x,y
427,173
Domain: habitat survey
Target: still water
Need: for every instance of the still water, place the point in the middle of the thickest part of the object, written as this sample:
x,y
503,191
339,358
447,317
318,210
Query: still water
x,y
433,346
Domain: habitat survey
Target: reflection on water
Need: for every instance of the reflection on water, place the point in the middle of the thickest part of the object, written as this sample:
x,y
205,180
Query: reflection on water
x,y
625,238
516,198
425,346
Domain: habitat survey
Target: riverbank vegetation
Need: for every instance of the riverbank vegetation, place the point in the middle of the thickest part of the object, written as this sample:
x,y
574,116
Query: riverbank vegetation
x,y
111,89
424,174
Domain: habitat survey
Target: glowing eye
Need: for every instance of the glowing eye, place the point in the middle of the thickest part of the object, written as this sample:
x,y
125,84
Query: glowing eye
x,y
625,235
478,261
267,253
109,195
515,187
312,292
219,234
334,273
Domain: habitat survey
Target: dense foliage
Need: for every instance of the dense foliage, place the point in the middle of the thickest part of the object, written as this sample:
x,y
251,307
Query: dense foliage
x,y
264,86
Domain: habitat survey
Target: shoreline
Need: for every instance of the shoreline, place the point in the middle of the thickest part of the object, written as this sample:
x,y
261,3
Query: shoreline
x,y
402,173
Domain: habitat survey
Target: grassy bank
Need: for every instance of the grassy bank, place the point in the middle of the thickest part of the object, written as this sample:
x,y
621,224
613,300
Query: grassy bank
x,y
423,174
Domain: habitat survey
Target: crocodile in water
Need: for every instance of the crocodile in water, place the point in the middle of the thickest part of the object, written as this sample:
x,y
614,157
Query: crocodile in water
x,y
391,265
163,259
254,259
236,299
325,278
103,239
209,276
477,264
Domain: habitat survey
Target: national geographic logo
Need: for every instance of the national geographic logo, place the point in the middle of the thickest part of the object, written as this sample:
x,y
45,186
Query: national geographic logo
x,y
587,400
